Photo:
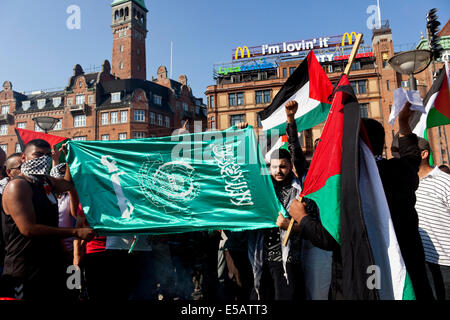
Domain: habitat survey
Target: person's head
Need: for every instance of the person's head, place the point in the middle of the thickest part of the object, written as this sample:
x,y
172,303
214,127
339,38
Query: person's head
x,y
36,149
425,151
444,168
375,132
13,164
280,165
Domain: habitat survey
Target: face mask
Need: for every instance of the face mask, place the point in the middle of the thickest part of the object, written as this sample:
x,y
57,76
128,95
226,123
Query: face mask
x,y
38,166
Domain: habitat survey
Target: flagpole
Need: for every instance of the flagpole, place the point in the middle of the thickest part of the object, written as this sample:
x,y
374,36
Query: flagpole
x,y
353,54
289,229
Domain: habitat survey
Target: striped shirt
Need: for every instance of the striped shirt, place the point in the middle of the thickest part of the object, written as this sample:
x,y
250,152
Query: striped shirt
x,y
433,210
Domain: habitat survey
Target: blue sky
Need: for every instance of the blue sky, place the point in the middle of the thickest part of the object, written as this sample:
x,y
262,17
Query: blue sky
x,y
38,51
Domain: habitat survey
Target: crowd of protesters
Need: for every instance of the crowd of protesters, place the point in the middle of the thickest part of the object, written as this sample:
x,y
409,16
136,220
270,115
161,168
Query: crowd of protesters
x,y
48,251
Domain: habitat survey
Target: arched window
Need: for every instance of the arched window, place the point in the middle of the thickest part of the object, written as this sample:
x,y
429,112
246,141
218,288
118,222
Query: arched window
x,y
116,15
121,13
126,12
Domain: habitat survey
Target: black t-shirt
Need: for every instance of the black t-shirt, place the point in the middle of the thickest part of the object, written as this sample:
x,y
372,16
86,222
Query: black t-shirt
x,y
29,258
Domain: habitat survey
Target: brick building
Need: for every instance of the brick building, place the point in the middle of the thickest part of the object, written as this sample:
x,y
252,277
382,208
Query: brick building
x,y
239,96
115,103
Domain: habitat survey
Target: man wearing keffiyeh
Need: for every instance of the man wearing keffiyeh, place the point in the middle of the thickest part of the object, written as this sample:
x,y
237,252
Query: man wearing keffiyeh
x,y
34,260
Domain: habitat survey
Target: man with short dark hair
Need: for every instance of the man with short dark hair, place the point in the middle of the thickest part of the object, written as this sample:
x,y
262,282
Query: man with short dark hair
x,y
433,209
281,275
34,261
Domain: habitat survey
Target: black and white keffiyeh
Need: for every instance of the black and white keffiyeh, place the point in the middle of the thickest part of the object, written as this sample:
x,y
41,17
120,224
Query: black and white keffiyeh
x,y
56,171
38,166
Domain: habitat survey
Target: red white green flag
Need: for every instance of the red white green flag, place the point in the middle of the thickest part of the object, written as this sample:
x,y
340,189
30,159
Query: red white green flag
x,y
344,182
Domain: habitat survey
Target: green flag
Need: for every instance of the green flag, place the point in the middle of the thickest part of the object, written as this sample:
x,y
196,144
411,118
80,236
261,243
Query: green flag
x,y
191,182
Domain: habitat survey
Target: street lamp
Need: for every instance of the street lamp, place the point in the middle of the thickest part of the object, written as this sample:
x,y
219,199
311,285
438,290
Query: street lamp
x,y
411,62
46,123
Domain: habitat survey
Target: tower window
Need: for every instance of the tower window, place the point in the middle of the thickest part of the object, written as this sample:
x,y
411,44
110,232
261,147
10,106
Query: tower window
x,y
116,15
126,12
121,48
121,65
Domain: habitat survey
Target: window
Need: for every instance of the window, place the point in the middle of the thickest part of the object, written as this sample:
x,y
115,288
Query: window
x,y
262,96
79,99
139,115
232,99
359,87
5,109
58,125
105,137
18,148
236,118
167,122
152,118
284,72
21,125
91,98
115,97
362,86
387,85
138,135
25,105
330,68
121,65
364,110
258,119
236,99
104,118
258,97
123,116
160,120
69,102
114,117
37,128
157,99
385,58
121,48
267,96
291,70
4,147
80,138
356,65
3,129
185,106
57,102
211,101
213,125
79,121
41,103
122,136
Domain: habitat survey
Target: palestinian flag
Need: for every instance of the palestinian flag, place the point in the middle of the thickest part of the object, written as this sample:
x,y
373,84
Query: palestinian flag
x,y
24,136
311,88
437,106
344,182
281,143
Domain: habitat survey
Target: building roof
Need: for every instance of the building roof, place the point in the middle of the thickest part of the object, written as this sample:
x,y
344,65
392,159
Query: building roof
x,y
141,3
33,98
445,31
127,86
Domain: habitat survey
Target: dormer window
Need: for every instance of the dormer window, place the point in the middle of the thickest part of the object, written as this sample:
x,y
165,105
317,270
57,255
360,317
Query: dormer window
x,y
26,105
115,97
79,100
41,103
157,99
57,102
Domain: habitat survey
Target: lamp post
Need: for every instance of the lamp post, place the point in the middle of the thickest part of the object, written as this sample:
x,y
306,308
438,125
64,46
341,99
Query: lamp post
x,y
46,123
411,62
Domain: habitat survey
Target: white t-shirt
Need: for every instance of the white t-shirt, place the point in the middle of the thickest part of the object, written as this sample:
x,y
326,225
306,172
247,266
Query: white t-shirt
x,y
433,210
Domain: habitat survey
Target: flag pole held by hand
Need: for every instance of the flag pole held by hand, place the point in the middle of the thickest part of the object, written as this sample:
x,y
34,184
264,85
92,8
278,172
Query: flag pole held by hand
x,y
289,229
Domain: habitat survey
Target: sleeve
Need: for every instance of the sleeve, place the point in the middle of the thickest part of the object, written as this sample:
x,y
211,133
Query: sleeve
x,y
311,229
297,156
409,151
